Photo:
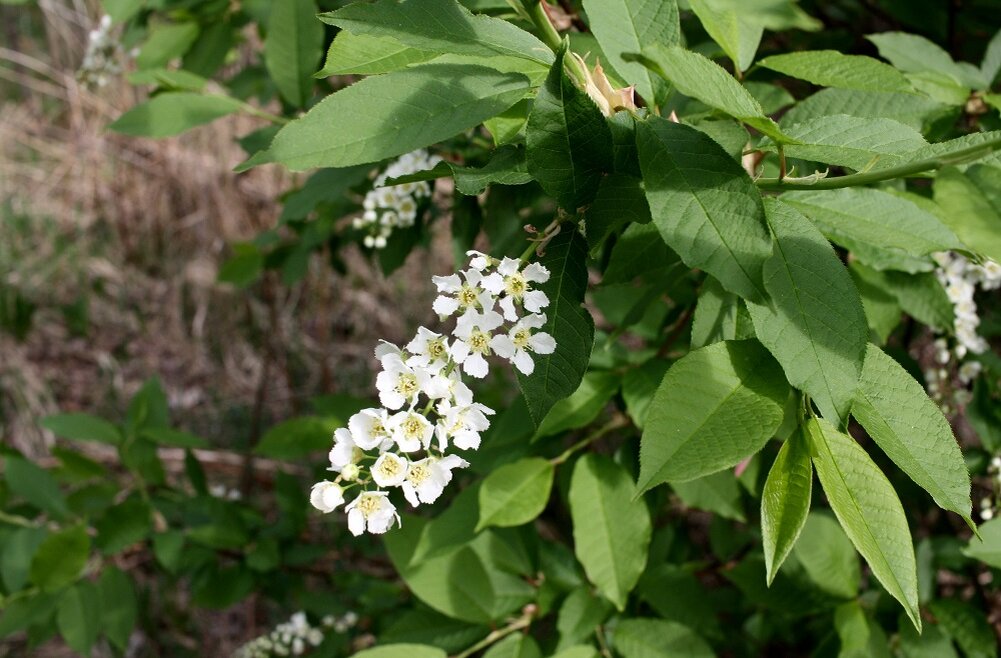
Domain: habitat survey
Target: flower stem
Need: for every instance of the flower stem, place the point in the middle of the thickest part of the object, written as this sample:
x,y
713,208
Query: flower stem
x,y
541,20
516,625
615,423
959,156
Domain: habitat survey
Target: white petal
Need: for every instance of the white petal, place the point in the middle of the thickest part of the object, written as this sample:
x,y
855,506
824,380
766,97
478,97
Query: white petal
x,y
385,348
410,494
508,266
523,362
450,283
333,497
542,343
535,301
391,399
535,272
356,522
459,350
490,321
467,440
503,345
445,305
462,394
507,305
476,366
493,283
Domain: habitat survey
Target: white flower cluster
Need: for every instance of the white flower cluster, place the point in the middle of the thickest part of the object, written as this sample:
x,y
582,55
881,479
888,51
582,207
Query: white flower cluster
x,y
989,503
395,206
960,277
427,408
103,58
294,637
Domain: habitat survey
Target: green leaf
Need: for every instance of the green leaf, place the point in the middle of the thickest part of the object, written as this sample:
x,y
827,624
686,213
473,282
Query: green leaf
x,y
854,142
814,324
611,531
244,267
986,547
292,48
718,315
122,10
118,608
675,593
731,29
179,79
15,556
569,142
860,637
625,26
122,525
82,427
702,79
900,417
971,205
583,405
79,616
166,41
700,419
401,651
387,115
517,645
441,26
165,436
882,312
967,626
365,54
930,643
620,201
656,638
869,511
172,113
579,615
785,501
915,54
828,557
580,651
706,207
913,110
717,493
640,385
883,230
515,493
297,438
60,558
991,64
35,485
559,374
639,251
829,68
919,295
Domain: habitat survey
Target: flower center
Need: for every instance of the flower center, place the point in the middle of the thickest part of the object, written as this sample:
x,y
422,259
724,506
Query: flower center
x,y
436,348
378,429
418,473
406,384
369,505
520,338
467,296
515,285
479,341
412,426
390,468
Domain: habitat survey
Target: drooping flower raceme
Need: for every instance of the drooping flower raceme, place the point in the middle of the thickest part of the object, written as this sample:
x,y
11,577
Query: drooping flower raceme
x,y
427,410
387,208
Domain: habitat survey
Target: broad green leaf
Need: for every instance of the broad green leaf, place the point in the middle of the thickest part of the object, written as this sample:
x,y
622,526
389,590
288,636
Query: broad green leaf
x,y
515,493
860,637
699,420
82,427
900,417
639,251
703,79
640,385
920,295
971,205
441,26
675,593
569,142
915,54
785,501
854,142
292,48
60,558
718,493
118,606
719,315
883,230
559,374
366,54
517,645
296,438
122,10
914,110
401,651
940,87
244,267
967,626
706,208
388,115
869,511
79,616
656,638
829,68
626,26
169,437
583,405
122,525
611,531
828,557
508,127
987,547
882,312
930,643
179,79
15,556
619,201
731,29
813,323
579,615
35,485
579,651
172,113
991,64
326,186
507,166
166,41
945,151
425,626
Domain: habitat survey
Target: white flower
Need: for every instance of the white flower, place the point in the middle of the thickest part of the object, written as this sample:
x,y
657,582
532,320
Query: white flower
x,y
516,286
389,470
427,478
462,424
385,348
411,431
398,383
520,341
449,387
456,294
326,496
350,472
344,451
479,261
429,350
371,511
368,428
473,331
